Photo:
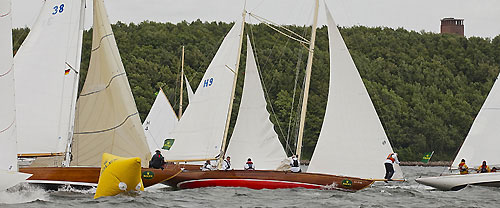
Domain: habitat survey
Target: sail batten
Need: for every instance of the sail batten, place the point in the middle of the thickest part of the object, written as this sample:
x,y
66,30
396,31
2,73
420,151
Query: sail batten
x,y
352,141
253,135
107,119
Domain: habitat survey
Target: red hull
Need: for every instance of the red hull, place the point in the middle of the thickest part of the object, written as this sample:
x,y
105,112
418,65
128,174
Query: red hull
x,y
52,177
261,179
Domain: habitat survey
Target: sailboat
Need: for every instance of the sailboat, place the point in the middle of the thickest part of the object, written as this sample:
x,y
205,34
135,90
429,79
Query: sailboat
x,y
9,175
106,120
355,102
479,145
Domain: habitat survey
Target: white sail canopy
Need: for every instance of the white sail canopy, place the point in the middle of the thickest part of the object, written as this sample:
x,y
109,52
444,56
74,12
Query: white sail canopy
x,y
46,72
160,122
8,144
199,134
352,141
189,90
482,142
254,136
107,119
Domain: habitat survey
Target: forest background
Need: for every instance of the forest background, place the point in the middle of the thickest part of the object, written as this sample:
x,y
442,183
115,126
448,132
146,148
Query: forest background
x,y
427,88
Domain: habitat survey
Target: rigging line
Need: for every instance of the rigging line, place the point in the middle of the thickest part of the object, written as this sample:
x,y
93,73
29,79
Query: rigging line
x,y
100,41
109,83
297,72
8,127
109,129
71,67
287,147
10,69
265,21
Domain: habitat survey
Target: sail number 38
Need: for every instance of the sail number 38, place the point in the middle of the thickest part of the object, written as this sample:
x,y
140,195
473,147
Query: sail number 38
x,y
58,9
208,82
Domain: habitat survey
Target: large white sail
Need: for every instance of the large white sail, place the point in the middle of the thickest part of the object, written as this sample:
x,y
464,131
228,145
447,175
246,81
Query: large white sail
x,y
352,141
254,136
189,90
200,131
8,144
481,144
47,69
159,123
8,164
107,119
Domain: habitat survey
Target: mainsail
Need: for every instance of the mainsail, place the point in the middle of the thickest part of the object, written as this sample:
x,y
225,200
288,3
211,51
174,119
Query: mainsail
x,y
481,144
199,133
352,141
47,69
254,136
8,144
107,119
159,123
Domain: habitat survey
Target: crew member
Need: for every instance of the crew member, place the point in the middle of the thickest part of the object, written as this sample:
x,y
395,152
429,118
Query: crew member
x,y
157,161
462,167
249,165
226,164
207,166
483,168
295,165
389,168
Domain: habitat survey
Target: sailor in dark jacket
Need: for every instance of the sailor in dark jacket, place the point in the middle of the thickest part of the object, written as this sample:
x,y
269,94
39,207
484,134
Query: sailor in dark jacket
x,y
157,161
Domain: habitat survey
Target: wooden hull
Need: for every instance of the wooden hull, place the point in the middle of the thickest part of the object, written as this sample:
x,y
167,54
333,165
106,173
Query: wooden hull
x,y
85,177
266,179
457,182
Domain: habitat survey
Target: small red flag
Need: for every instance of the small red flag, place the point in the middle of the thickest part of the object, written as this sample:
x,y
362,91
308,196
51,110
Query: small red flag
x,y
66,72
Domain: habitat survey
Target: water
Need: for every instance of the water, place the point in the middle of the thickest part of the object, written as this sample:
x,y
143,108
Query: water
x,y
393,194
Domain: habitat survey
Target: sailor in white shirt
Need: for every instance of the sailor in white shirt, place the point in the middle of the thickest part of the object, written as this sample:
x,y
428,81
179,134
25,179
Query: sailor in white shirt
x,y
389,168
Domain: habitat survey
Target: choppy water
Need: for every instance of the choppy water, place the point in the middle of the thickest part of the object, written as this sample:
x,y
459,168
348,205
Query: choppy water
x,y
394,194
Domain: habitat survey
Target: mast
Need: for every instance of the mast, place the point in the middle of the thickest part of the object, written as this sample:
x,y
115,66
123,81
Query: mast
x,y
308,81
182,79
228,119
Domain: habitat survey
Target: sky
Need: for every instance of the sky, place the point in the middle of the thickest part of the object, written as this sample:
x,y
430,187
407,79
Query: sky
x,y
482,17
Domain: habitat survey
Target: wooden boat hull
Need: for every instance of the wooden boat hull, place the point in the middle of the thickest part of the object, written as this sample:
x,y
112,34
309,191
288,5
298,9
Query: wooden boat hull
x,y
86,177
457,182
266,179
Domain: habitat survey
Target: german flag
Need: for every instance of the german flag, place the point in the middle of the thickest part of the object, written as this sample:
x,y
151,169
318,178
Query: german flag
x,y
66,72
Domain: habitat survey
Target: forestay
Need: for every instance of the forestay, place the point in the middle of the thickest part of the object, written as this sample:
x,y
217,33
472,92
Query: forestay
x,y
254,136
8,144
159,123
352,141
483,140
107,119
47,69
199,134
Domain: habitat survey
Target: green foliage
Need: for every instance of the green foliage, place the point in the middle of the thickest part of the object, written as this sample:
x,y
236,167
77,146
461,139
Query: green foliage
x,y
427,88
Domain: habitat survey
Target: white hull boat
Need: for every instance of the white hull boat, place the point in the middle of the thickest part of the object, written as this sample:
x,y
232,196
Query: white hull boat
x,y
457,182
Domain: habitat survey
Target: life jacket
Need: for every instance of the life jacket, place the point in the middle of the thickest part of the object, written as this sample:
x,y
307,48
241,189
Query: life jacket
x,y
250,165
295,163
391,158
484,168
463,168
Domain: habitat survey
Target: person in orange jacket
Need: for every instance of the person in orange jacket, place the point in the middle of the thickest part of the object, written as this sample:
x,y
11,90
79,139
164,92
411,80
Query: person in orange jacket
x,y
483,168
462,167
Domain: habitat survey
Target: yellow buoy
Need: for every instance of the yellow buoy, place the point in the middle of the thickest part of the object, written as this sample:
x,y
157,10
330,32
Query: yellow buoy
x,y
119,175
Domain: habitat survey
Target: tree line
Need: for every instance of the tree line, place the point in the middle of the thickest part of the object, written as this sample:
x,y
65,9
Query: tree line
x,y
427,88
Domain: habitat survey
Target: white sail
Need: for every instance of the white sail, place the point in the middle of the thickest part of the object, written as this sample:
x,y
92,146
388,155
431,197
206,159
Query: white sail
x,y
107,119
189,90
352,141
199,133
254,136
481,144
8,144
47,69
159,123
8,164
